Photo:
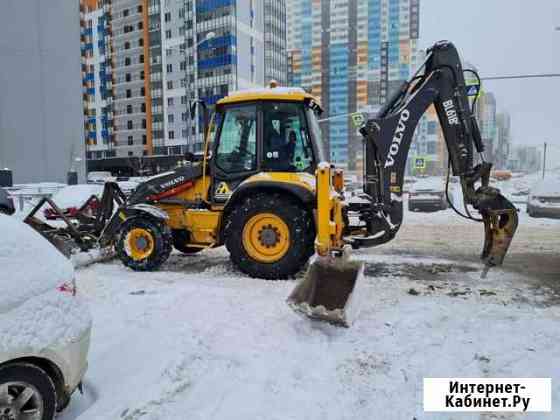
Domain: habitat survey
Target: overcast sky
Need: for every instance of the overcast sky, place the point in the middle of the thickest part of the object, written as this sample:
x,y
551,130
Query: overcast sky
x,y
507,37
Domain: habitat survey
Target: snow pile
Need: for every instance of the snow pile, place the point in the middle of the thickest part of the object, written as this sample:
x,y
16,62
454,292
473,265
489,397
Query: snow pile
x,y
30,264
76,195
200,341
47,321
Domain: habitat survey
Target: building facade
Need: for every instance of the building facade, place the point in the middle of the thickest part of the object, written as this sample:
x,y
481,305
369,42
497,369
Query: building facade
x,y
166,55
351,54
40,90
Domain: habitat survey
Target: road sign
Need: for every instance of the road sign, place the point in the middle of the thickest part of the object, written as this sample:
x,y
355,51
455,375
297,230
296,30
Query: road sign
x,y
420,163
358,119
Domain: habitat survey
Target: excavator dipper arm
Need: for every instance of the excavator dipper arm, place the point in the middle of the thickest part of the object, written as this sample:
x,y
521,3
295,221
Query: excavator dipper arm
x,y
387,139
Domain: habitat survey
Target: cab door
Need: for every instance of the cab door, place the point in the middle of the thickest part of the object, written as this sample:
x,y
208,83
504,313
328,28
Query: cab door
x,y
235,156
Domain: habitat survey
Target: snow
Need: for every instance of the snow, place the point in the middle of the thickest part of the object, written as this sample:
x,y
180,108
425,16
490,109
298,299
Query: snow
x,y
431,183
548,187
50,320
30,264
76,195
200,341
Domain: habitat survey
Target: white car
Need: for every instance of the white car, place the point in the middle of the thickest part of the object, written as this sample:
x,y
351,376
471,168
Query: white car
x,y
44,327
98,177
544,198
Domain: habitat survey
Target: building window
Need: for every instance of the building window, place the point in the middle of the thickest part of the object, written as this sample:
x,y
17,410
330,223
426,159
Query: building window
x,y
168,17
141,42
139,9
127,61
125,13
142,91
142,75
128,77
143,107
184,117
182,13
168,33
143,123
129,125
171,134
140,26
170,118
170,68
144,139
170,101
130,140
141,58
129,93
129,109
127,45
130,153
170,84
183,65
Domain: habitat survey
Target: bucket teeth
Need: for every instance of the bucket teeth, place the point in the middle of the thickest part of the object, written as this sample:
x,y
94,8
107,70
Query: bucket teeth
x,y
329,291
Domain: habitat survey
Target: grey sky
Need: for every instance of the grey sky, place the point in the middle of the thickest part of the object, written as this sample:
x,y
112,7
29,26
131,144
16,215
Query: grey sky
x,y
504,37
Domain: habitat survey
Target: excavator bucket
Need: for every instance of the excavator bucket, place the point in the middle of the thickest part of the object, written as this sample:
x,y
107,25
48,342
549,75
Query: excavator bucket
x,y
500,223
330,291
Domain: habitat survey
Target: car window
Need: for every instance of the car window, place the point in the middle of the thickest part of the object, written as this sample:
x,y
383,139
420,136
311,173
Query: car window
x,y
286,142
237,146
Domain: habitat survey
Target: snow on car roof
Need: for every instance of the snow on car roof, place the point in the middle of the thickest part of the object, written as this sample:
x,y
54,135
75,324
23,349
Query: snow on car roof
x,y
547,187
76,195
30,264
432,183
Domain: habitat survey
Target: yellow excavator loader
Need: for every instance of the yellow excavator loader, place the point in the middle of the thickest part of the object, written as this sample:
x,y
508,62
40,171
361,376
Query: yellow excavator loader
x,y
264,189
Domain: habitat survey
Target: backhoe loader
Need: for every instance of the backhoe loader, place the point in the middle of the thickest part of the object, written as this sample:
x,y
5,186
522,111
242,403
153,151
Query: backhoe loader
x,y
266,192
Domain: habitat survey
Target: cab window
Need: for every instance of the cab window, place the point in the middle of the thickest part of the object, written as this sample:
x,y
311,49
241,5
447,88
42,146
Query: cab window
x,y
237,145
286,143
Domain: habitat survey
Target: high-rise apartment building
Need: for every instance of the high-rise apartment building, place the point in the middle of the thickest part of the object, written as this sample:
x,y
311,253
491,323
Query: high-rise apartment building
x,y
159,56
351,54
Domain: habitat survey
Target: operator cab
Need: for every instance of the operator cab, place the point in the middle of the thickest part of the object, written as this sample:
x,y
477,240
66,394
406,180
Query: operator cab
x,y
267,130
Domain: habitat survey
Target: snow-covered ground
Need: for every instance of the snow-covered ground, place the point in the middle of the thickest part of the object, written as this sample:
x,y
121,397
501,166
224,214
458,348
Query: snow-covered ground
x,y
198,340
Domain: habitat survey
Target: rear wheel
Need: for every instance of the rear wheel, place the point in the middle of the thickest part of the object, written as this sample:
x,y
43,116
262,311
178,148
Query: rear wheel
x,y
144,244
270,236
180,241
26,392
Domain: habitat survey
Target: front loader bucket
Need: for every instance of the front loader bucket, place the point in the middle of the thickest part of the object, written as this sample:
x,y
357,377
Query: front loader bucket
x,y
330,291
500,223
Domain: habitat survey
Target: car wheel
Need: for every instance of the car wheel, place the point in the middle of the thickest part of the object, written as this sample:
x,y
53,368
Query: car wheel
x,y
270,236
144,244
26,392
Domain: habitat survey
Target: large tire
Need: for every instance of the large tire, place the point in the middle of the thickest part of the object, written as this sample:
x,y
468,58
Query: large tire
x,y
280,226
180,239
144,243
30,383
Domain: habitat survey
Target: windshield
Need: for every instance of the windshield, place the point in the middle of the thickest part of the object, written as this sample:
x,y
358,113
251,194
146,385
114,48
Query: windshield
x,y
315,129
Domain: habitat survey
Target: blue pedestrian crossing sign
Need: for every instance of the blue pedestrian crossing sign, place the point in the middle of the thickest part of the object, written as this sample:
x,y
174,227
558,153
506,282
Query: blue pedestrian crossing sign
x,y
420,163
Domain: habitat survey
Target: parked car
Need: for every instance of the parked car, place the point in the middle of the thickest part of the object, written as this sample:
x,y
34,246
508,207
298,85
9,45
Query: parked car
x,y
544,199
6,203
98,177
427,194
72,198
44,327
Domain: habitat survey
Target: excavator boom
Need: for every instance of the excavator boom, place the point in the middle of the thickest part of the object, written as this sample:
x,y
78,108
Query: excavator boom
x,y
387,138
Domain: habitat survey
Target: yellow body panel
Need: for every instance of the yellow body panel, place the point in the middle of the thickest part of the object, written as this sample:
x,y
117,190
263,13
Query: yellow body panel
x,y
302,179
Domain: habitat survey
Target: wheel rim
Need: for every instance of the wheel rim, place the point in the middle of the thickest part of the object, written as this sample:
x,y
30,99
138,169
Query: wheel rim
x,y
139,244
266,238
20,401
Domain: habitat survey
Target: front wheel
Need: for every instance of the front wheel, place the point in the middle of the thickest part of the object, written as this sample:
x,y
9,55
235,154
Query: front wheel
x,y
144,244
26,392
270,236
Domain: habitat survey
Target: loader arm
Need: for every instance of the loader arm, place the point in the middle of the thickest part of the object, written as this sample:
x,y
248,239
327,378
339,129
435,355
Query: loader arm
x,y
387,139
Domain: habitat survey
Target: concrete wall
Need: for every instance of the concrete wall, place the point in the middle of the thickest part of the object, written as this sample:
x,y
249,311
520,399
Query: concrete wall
x,y
41,115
